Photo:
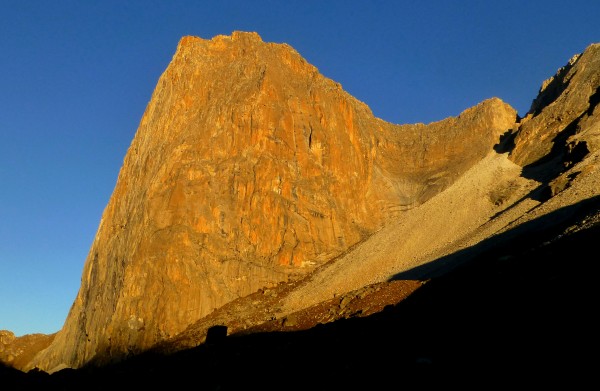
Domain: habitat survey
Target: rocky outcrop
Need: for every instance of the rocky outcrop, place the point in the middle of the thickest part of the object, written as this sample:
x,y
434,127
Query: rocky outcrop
x,y
248,168
18,351
559,127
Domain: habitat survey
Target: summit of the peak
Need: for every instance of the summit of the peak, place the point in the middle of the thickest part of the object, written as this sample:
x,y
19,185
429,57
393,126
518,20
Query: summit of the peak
x,y
250,35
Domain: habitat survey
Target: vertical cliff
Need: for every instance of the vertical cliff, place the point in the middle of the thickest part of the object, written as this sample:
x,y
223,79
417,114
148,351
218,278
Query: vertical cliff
x,y
248,168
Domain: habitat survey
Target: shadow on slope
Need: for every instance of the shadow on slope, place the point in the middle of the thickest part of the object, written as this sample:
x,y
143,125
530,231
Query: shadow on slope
x,y
522,310
530,236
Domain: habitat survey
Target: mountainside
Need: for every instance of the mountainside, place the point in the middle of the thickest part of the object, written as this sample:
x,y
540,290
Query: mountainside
x,y
259,196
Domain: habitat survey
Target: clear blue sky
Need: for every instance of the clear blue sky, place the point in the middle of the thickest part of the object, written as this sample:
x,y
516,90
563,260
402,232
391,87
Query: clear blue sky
x,y
76,76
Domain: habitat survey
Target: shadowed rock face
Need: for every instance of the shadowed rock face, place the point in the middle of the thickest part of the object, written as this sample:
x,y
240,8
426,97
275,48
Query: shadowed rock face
x,y
248,168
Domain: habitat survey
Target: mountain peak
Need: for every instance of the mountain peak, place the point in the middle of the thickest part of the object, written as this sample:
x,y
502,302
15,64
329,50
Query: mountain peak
x,y
245,35
236,36
238,39
249,168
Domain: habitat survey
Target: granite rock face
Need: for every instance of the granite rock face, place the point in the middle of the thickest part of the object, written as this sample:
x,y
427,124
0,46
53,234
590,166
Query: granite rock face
x,y
249,168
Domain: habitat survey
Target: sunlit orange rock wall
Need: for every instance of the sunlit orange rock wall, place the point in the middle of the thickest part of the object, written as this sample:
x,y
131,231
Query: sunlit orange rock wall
x,y
248,168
